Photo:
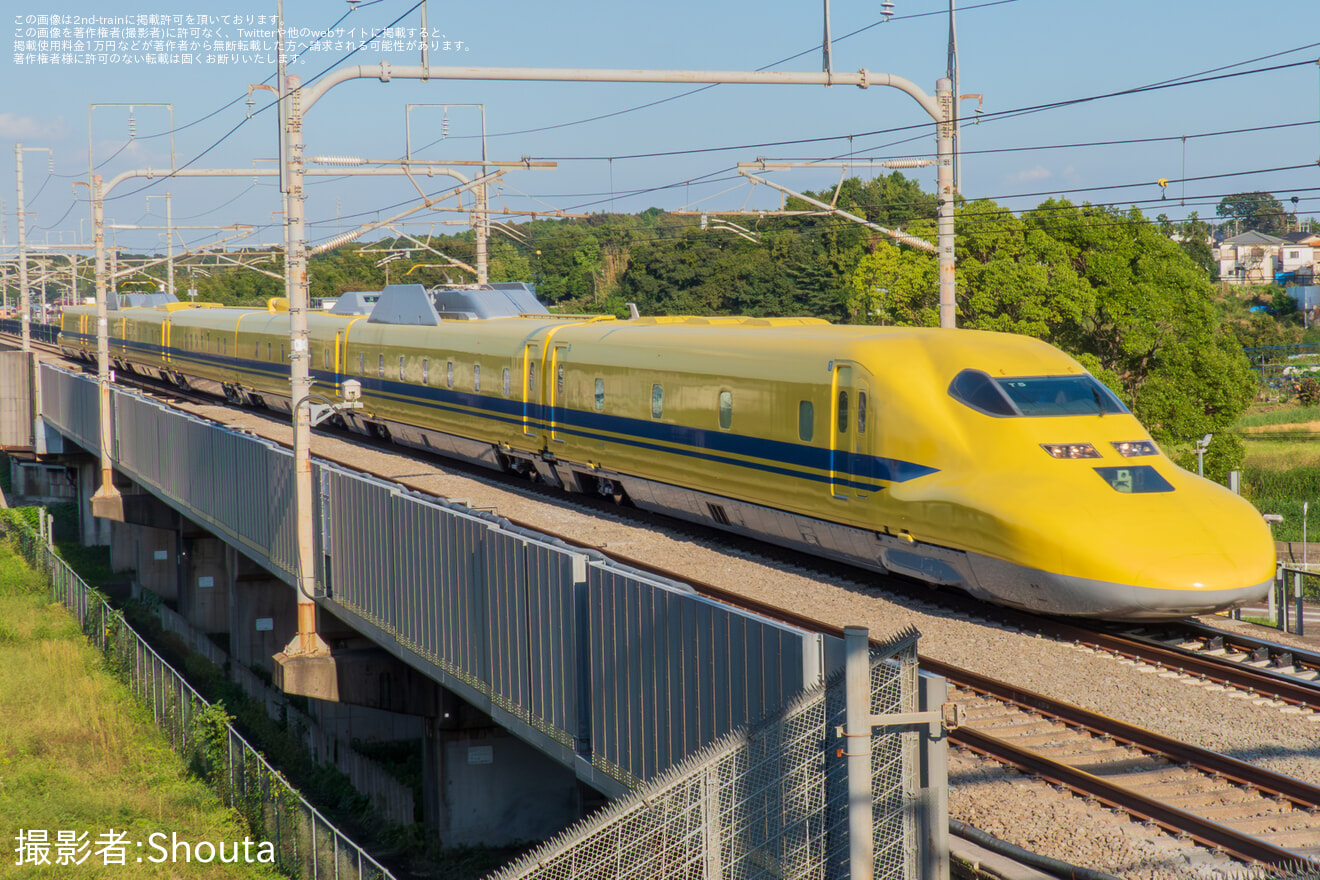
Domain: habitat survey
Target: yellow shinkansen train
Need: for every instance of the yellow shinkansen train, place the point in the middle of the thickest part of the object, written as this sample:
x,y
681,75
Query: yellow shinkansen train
x,y
988,461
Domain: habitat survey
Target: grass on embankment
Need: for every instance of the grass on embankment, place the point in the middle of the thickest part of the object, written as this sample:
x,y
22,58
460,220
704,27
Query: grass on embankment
x,y
78,754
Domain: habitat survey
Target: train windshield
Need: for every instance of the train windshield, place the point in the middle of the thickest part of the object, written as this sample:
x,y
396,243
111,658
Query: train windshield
x,y
1034,395
1060,396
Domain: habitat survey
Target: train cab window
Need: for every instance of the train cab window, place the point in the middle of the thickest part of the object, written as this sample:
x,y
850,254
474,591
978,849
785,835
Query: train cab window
x,y
476,377
657,401
507,383
806,421
1034,395
726,409
426,371
401,363
861,412
449,375
600,395
843,412
380,366
1060,396
977,390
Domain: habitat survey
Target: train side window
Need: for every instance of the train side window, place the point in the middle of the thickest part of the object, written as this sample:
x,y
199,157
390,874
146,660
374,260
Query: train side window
x,y
401,362
726,409
861,412
362,364
476,377
426,371
506,382
657,401
600,395
843,412
449,375
380,366
806,420
282,357
559,381
325,357
256,352
268,357
531,374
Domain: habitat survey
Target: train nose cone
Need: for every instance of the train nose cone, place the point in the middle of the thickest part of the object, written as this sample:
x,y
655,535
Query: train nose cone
x,y
1207,582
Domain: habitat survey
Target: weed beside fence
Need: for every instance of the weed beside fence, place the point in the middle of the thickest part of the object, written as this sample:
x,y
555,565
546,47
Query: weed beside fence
x,y
306,844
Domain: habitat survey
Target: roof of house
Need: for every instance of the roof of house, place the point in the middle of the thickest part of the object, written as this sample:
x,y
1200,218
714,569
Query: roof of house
x,y
1251,236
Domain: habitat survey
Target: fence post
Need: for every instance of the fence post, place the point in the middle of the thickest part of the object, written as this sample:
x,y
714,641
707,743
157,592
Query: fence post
x,y
935,782
1297,595
857,749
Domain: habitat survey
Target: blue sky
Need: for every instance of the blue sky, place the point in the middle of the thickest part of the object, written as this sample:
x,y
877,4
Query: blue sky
x,y
1017,54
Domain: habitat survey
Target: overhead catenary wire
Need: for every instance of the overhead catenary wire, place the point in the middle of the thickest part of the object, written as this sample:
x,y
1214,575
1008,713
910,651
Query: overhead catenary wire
x,y
1188,79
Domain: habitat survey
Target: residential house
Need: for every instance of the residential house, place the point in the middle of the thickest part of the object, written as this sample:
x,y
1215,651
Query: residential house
x,y
1297,258
1250,258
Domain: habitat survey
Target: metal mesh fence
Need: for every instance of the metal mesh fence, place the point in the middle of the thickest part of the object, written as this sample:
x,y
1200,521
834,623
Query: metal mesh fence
x,y
307,845
765,801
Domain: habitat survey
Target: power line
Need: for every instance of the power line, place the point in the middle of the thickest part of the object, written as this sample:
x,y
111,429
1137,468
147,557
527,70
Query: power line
x,y
695,91
259,111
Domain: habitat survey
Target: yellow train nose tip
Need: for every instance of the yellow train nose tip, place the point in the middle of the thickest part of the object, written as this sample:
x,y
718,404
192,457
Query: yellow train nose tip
x,y
1200,571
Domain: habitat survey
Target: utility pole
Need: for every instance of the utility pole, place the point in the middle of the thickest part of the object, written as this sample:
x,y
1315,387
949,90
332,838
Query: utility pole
x,y
169,240
24,305
945,199
106,494
953,78
299,100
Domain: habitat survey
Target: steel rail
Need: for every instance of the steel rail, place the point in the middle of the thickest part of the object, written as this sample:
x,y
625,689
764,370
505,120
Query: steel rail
x,y
1265,683
1169,817
1247,644
1302,794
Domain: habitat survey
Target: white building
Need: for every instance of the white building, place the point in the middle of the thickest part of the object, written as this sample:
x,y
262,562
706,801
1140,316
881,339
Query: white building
x,y
1250,258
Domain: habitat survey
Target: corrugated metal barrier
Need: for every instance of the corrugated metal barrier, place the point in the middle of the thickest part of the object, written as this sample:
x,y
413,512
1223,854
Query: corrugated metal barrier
x,y
765,801
15,400
597,663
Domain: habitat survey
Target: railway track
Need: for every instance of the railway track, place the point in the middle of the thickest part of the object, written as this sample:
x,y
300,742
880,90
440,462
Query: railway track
x,y
1229,805
1256,667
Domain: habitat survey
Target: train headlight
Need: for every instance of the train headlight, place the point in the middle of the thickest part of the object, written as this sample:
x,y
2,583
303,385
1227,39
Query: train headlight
x,y
1136,448
1070,450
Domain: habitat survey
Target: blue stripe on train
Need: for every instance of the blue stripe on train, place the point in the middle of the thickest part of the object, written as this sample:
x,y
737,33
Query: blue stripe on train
x,y
775,456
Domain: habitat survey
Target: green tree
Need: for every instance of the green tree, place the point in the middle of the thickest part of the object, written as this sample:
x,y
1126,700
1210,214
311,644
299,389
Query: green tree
x,y
893,285
1254,210
1193,236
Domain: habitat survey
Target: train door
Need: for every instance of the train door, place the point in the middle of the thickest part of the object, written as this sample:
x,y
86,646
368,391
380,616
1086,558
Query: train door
x,y
531,391
554,385
850,432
